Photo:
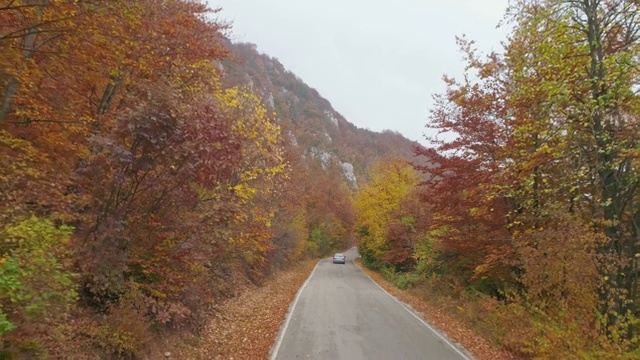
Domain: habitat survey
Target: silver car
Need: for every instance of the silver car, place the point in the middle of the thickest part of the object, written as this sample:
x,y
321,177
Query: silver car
x,y
339,259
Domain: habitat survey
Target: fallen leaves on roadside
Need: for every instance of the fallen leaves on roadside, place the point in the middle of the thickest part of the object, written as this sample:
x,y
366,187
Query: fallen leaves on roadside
x,y
446,323
245,327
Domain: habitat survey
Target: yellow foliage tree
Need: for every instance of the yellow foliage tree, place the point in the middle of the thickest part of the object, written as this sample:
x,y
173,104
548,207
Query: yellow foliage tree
x,y
392,181
255,184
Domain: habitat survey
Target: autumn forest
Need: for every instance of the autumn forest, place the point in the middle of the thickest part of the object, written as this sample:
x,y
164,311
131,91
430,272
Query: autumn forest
x,y
148,165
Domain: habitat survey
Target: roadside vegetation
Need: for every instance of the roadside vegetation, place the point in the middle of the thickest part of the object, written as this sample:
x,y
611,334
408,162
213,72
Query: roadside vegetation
x,y
526,224
141,187
242,327
442,310
136,191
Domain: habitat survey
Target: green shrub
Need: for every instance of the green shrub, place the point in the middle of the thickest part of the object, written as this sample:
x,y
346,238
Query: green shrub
x,y
402,280
36,289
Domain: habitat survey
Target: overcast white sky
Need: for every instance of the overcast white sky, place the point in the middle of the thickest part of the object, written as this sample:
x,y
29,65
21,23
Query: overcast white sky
x,y
377,61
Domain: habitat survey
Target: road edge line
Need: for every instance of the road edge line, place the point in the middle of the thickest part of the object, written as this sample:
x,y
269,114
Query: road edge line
x,y
276,348
425,323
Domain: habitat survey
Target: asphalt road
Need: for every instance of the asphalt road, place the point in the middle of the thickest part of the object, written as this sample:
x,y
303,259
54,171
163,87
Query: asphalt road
x,y
342,314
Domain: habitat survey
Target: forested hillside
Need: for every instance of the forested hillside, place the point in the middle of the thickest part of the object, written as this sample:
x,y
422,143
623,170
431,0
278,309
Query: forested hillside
x,y
309,120
148,166
529,226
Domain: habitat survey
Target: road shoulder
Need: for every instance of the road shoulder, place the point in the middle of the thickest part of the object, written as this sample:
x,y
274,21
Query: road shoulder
x,y
446,324
246,326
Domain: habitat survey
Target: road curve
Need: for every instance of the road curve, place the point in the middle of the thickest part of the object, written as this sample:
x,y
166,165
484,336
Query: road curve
x,y
340,313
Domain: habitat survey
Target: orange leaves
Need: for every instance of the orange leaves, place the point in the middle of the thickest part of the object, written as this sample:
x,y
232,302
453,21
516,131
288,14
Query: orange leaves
x,y
536,186
117,102
247,326
112,117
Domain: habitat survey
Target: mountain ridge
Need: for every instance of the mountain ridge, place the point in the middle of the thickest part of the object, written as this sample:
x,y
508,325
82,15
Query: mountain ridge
x,y
309,119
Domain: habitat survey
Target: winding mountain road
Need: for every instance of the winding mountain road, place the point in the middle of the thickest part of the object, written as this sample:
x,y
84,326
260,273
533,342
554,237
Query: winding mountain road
x,y
340,313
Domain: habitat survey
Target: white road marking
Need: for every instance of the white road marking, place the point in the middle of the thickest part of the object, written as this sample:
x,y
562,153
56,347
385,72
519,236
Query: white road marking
x,y
436,332
276,348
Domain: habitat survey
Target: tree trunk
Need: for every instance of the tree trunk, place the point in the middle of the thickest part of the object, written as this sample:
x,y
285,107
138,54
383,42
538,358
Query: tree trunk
x,y
28,49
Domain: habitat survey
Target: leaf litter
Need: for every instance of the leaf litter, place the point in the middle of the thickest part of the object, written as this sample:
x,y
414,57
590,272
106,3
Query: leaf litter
x,y
246,326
